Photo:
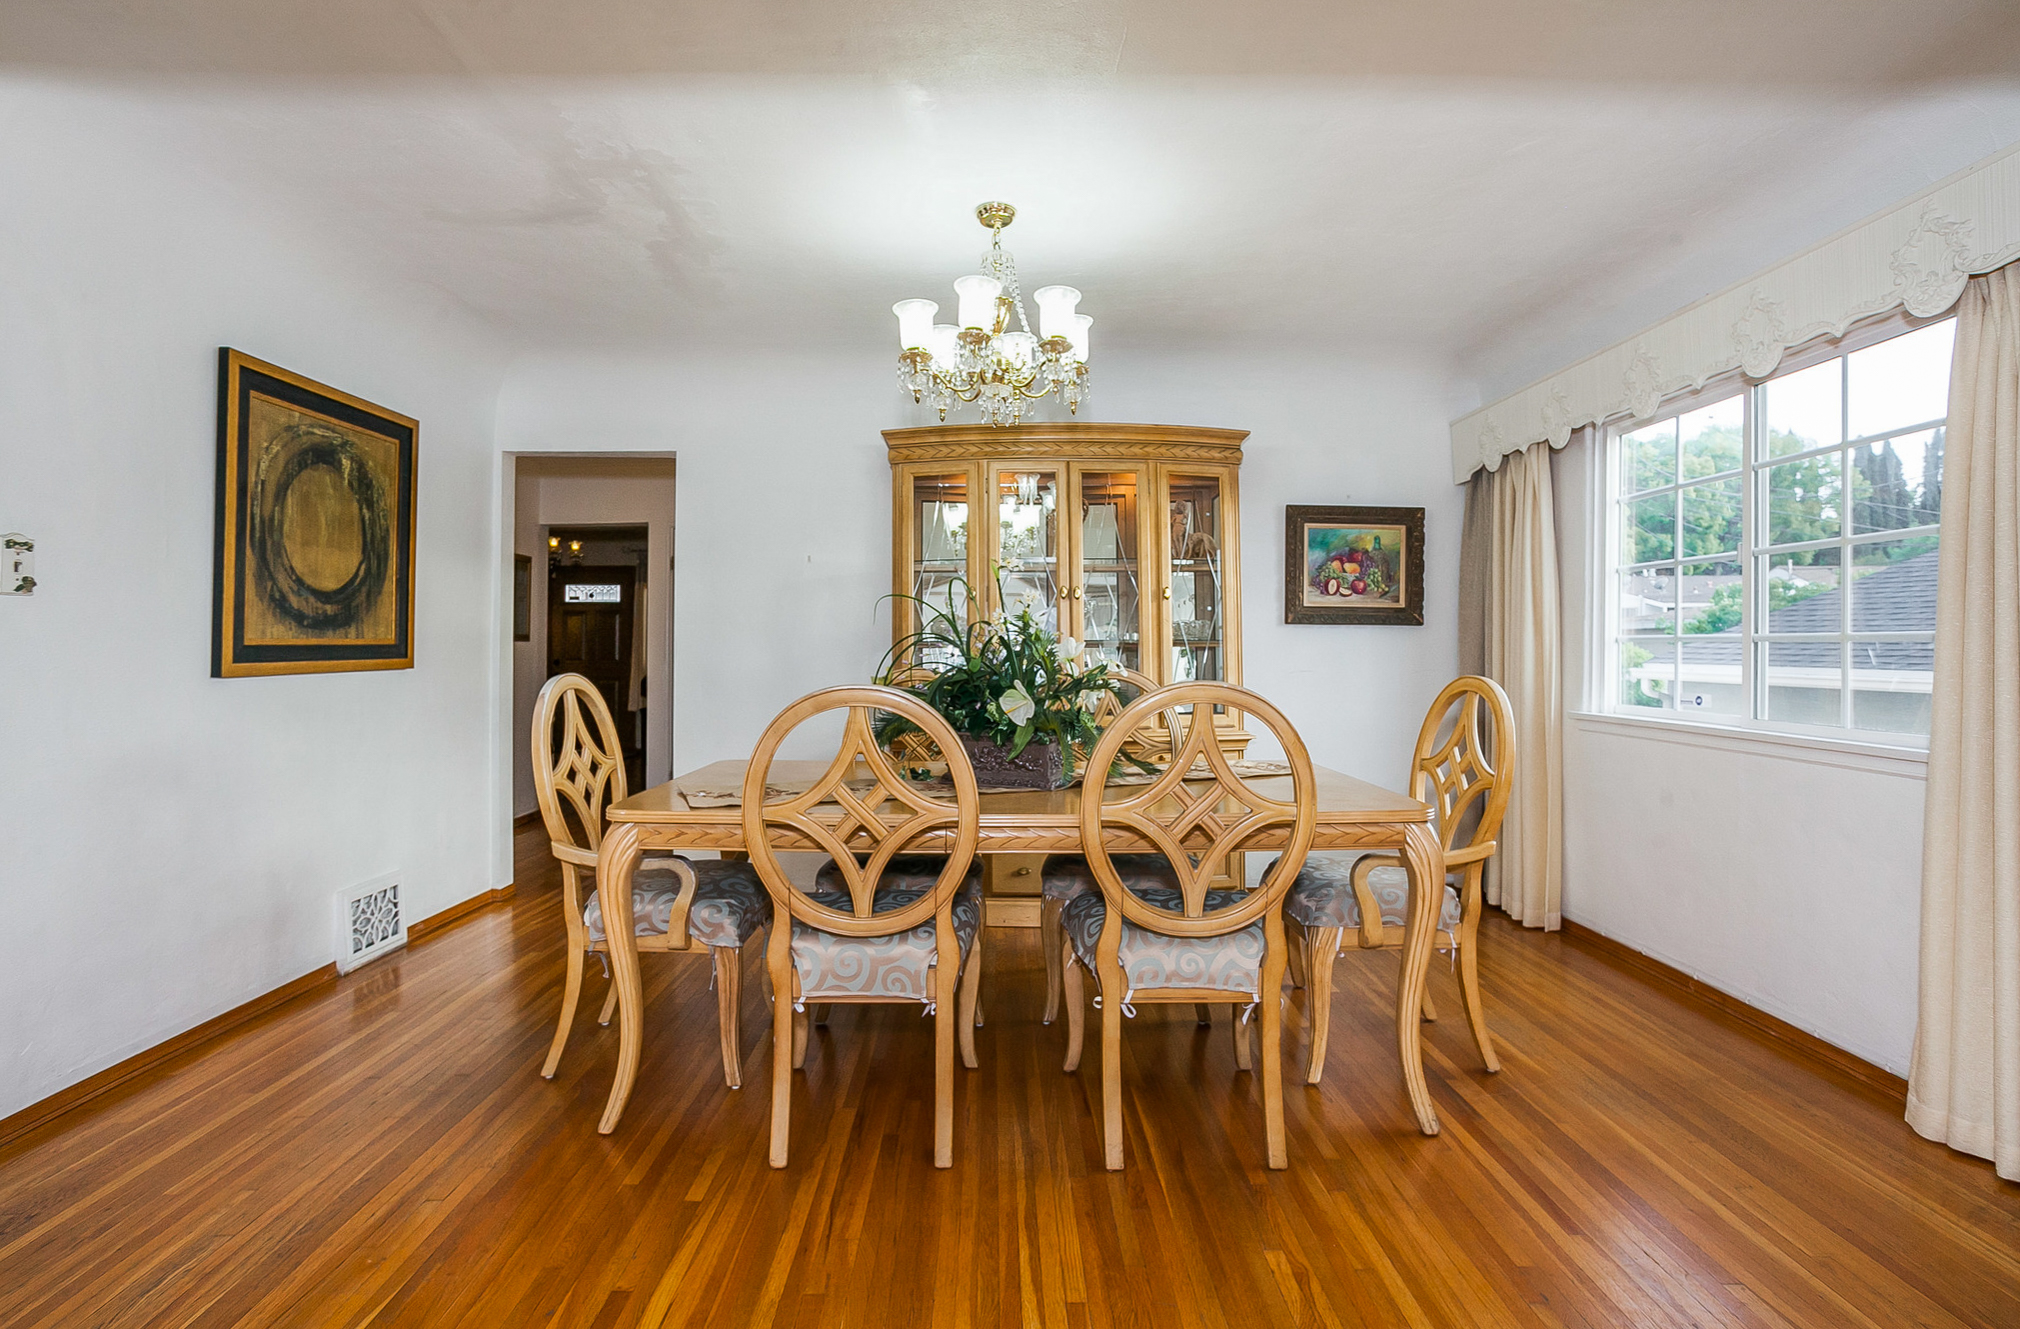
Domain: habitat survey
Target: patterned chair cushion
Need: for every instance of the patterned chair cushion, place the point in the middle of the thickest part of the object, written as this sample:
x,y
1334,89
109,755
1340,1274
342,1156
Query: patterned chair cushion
x,y
1323,895
899,966
1068,877
1231,962
730,904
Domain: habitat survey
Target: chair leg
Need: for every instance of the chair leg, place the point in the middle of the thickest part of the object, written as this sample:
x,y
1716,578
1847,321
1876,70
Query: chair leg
x,y
970,1013
944,1019
1202,1015
1242,1060
779,963
799,1040
1076,1009
609,1004
1325,948
1272,1013
1430,1010
1299,959
1051,937
1469,966
570,994
820,1014
729,1010
1111,1070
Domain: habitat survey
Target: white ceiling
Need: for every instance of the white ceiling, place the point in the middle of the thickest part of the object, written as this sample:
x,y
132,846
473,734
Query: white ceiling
x,y
1503,183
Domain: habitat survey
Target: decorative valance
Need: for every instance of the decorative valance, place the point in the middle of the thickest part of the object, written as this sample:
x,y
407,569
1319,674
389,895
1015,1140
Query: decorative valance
x,y
1916,256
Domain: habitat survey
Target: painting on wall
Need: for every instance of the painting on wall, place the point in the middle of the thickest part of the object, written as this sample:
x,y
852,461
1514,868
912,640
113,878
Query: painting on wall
x,y
314,567
1353,565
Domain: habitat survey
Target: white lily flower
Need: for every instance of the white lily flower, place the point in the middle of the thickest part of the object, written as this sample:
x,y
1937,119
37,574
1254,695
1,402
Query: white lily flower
x,y
1017,704
1090,699
1068,652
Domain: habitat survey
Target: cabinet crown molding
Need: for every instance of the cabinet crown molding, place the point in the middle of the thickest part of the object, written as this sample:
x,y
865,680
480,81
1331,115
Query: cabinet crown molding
x,y
1082,438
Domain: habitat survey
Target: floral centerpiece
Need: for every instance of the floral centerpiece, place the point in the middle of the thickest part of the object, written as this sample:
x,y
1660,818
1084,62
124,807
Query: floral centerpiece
x,y
1021,697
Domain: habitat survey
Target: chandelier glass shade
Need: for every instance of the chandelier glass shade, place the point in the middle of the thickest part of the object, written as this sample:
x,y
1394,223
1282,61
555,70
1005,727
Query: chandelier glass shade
x,y
991,357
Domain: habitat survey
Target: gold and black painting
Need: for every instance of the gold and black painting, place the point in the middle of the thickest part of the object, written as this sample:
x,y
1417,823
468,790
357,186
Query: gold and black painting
x,y
315,527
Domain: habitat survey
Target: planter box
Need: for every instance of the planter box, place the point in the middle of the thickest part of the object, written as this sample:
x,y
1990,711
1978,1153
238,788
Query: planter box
x,y
1038,766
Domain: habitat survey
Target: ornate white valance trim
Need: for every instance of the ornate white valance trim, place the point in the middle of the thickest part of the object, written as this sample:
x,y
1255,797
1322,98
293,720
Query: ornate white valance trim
x,y
1917,256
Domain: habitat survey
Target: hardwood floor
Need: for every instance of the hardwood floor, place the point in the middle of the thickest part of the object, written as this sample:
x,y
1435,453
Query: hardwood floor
x,y
383,1151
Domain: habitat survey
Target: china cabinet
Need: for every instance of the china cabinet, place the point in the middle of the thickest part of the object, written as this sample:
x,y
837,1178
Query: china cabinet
x,y
1126,537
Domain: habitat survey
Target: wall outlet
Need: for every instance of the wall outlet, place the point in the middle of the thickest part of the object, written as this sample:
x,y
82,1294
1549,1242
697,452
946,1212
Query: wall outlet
x,y
17,564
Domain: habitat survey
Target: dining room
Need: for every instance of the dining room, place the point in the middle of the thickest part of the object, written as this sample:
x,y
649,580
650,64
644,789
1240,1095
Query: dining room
x,y
1321,665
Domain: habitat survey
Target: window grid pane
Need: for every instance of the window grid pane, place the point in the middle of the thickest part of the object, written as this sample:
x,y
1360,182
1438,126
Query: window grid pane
x,y
1804,515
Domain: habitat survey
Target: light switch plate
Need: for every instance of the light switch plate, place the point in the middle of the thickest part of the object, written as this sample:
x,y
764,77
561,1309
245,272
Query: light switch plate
x,y
17,564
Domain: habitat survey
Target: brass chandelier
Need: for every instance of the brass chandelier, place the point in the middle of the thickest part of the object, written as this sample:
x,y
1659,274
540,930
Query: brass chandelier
x,y
983,359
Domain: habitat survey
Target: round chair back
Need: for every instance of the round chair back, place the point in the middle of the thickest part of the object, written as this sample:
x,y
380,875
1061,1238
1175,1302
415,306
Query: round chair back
x,y
579,768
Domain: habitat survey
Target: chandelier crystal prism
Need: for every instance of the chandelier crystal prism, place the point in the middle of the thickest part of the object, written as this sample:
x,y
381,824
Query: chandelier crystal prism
x,y
983,359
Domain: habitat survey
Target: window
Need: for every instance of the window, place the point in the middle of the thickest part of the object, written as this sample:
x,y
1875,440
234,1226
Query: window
x,y
1774,544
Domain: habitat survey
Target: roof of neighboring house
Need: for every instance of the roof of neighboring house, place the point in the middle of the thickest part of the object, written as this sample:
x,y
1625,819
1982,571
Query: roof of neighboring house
x,y
1900,597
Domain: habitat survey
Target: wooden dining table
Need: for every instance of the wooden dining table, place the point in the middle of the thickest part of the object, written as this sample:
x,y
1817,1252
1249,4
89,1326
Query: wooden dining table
x,y
1352,814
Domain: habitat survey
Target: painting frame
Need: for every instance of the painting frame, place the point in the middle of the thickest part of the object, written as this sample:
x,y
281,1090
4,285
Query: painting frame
x,y
275,606
1305,522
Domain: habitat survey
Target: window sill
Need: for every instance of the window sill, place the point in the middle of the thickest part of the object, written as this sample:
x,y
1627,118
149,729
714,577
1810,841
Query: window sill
x,y
1879,758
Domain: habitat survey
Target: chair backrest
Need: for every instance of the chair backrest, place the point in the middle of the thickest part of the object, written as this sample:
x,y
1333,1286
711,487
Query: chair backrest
x,y
1196,824
1464,763
877,813
578,769
1150,743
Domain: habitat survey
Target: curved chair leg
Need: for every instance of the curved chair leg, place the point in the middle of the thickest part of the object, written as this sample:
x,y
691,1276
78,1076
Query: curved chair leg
x,y
1111,1071
1202,1014
1430,1011
1469,966
799,1040
1076,1010
970,1014
1051,937
570,994
729,1010
779,962
1297,958
945,1017
1325,947
1243,1061
820,1014
609,1004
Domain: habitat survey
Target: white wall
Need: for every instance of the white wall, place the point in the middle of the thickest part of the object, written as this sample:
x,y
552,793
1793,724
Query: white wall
x,y
644,498
784,526
170,843
1787,874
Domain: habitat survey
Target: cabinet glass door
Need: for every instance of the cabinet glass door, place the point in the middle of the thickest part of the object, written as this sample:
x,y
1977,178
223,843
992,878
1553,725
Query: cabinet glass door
x,y
939,544
1027,542
1107,591
1194,594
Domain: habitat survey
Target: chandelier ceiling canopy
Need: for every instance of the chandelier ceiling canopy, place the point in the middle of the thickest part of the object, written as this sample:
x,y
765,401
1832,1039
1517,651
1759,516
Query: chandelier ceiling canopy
x,y
983,358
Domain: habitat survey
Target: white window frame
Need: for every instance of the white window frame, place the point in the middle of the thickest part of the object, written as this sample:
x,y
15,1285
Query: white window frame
x,y
1606,569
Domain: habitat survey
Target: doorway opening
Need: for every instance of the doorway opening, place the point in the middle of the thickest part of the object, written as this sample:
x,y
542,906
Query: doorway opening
x,y
592,539
595,621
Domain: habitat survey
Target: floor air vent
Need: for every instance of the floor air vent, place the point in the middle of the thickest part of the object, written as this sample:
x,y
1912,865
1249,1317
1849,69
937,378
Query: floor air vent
x,y
369,922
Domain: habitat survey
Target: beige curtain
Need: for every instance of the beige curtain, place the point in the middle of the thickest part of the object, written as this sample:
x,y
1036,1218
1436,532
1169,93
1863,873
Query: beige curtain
x,y
1964,1087
1508,607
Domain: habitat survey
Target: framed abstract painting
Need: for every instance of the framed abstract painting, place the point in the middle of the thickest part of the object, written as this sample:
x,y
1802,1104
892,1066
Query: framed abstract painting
x,y
1353,565
314,565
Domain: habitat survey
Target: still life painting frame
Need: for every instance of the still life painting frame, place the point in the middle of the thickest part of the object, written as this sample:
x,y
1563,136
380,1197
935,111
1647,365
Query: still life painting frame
x,y
1353,565
314,558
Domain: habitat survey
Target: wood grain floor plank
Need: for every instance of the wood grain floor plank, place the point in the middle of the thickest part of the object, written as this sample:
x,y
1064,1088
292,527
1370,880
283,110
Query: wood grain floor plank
x,y
382,1151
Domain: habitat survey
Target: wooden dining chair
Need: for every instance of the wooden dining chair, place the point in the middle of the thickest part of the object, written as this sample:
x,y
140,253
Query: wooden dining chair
x,y
1464,757
1066,877
882,925
1144,941
578,771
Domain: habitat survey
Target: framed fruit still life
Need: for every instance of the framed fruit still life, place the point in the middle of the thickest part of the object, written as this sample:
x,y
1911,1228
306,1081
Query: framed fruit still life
x,y
1353,565
314,567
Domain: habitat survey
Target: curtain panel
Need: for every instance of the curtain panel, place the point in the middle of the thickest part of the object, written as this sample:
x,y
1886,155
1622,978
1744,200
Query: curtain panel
x,y
1964,1084
1509,600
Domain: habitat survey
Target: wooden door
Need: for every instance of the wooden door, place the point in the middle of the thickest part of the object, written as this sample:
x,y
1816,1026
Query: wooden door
x,y
590,613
